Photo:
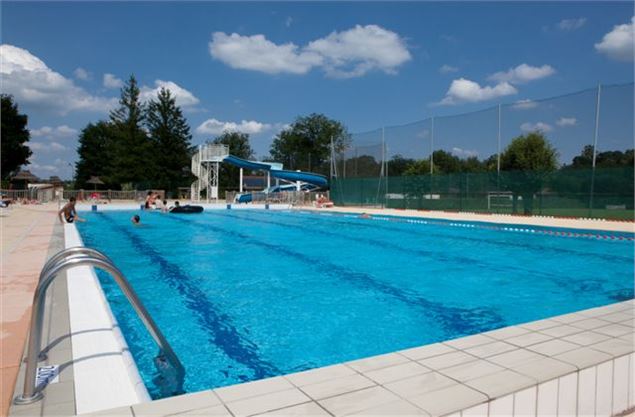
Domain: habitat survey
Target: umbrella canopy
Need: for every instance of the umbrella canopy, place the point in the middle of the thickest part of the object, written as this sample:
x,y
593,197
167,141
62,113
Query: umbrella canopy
x,y
25,176
55,180
95,180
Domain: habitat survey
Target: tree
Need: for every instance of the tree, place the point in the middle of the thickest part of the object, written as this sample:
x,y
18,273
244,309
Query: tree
x,y
15,135
397,165
532,159
445,163
131,152
171,139
239,146
94,151
306,144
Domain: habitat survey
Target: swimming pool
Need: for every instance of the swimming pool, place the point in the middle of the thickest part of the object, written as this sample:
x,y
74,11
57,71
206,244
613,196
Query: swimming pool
x,y
246,294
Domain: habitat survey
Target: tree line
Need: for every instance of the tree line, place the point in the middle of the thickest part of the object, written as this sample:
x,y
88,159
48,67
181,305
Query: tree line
x,y
141,145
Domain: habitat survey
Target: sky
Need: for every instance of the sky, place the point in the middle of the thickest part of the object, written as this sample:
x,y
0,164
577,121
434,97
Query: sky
x,y
256,67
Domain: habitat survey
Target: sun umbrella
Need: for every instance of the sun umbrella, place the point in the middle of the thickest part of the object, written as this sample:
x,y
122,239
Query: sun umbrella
x,y
95,180
25,176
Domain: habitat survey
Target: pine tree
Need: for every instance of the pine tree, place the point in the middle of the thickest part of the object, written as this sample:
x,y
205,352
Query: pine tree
x,y
171,139
94,151
132,154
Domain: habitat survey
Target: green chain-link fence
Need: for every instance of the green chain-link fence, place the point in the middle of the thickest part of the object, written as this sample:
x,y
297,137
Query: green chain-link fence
x,y
454,162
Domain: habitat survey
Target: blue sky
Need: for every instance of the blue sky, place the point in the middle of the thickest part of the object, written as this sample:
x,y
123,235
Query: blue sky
x,y
256,66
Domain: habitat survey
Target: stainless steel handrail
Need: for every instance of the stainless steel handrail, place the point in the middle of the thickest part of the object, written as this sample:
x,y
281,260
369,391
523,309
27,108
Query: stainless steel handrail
x,y
73,251
31,393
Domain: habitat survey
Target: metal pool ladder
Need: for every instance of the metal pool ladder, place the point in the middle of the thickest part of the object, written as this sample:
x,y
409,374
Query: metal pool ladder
x,y
167,363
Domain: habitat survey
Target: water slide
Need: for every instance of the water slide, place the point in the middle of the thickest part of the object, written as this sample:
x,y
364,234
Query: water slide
x,y
275,170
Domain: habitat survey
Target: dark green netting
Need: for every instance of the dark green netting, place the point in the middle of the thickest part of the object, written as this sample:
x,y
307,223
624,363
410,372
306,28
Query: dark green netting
x,y
566,192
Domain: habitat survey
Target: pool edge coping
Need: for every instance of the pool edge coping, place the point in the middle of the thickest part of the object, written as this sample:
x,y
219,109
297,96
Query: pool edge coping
x,y
89,315
355,384
486,218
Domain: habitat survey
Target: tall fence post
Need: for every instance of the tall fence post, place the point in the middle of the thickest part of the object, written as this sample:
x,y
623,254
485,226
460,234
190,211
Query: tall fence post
x,y
595,144
384,165
432,146
498,154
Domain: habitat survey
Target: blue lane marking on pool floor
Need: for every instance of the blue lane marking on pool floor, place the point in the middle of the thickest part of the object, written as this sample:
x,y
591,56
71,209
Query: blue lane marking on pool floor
x,y
456,321
224,333
381,244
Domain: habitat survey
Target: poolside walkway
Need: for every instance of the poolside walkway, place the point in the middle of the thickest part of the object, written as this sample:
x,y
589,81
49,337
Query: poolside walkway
x,y
26,236
572,223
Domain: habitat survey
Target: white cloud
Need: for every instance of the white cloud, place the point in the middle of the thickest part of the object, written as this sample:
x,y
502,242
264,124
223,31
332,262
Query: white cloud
x,y
217,127
467,91
536,127
256,53
524,104
81,74
111,81
350,53
30,81
446,69
61,131
523,74
618,43
37,168
50,146
571,24
567,121
464,153
288,22
184,98
356,51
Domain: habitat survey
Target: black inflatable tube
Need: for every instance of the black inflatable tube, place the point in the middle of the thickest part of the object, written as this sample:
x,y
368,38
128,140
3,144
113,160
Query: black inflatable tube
x,y
187,209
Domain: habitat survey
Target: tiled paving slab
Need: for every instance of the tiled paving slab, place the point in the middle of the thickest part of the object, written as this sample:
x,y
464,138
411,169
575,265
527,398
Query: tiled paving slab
x,y
520,370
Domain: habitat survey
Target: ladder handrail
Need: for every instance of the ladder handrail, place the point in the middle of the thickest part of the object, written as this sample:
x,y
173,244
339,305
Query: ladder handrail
x,y
32,393
68,252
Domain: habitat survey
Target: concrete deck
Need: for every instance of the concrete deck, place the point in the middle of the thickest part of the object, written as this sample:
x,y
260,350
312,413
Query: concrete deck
x,y
26,236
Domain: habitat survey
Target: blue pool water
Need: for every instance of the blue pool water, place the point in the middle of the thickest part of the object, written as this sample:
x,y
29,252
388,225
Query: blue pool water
x,y
243,295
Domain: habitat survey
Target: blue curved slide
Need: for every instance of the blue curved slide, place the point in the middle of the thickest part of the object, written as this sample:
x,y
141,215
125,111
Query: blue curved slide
x,y
308,177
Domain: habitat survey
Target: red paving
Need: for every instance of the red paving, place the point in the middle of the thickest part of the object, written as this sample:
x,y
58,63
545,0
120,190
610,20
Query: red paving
x,y
26,236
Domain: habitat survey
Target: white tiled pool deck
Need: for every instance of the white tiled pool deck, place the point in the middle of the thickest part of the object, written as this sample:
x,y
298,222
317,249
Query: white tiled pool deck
x,y
576,364
579,364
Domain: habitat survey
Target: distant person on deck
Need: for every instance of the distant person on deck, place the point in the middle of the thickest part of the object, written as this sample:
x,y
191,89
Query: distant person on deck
x,y
69,212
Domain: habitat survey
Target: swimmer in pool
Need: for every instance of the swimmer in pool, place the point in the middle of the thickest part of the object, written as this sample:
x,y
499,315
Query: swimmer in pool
x,y
136,220
69,212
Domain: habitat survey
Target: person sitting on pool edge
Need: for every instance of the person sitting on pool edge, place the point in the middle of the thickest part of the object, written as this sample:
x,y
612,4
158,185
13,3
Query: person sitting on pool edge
x,y
136,220
70,214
